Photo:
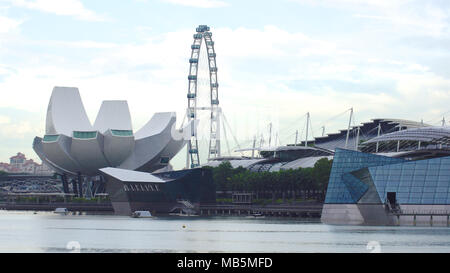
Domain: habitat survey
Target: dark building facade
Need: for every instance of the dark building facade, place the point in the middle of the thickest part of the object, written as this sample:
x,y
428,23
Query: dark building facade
x,y
157,192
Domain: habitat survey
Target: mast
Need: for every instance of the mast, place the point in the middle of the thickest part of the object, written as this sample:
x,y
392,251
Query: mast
x,y
348,129
307,126
443,124
357,139
270,133
254,143
379,131
296,137
398,142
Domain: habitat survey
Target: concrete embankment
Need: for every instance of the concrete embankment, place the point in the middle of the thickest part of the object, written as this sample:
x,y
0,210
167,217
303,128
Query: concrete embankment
x,y
309,210
82,207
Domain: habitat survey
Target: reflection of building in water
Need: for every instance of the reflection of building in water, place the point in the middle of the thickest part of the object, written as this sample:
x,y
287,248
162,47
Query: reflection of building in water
x,y
20,164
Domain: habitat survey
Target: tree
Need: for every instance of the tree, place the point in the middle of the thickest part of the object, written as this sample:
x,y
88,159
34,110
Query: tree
x,y
321,175
269,184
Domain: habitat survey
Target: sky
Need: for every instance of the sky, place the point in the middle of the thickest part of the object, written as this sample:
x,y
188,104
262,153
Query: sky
x,y
276,61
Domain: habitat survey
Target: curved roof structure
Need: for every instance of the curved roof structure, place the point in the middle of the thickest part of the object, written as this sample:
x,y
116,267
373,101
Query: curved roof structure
x,y
72,145
307,162
113,114
156,134
425,134
37,147
117,146
88,152
131,176
235,163
368,130
66,113
58,150
277,158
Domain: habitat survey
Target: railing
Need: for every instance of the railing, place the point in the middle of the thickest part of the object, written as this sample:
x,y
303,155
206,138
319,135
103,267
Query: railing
x,y
422,213
53,206
317,208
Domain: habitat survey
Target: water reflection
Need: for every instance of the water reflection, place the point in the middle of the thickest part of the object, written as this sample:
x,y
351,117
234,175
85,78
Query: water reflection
x,y
47,232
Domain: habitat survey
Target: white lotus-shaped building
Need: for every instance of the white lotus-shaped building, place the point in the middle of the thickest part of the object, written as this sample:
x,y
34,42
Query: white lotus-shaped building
x,y
73,146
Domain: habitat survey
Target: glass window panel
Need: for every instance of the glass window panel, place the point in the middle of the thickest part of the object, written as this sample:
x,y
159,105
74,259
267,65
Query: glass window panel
x,y
404,195
419,172
440,195
414,200
430,177
391,189
445,178
428,195
405,189
428,201
408,167
408,172
433,172
422,166
434,167
415,194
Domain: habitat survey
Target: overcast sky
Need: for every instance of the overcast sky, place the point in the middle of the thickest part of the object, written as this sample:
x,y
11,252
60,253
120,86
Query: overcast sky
x,y
277,60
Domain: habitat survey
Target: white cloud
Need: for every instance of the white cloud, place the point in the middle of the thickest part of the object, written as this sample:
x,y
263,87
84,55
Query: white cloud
x,y
4,120
382,4
410,17
8,24
73,8
79,44
199,3
21,130
257,72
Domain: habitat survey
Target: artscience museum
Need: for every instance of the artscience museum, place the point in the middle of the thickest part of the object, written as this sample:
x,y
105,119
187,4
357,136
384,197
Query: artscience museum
x,y
72,145
86,155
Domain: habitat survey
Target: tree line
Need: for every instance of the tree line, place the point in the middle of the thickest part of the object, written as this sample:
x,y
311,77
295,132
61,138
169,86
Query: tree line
x,y
293,184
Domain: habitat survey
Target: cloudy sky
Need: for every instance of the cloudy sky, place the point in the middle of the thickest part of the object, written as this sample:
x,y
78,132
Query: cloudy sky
x,y
277,60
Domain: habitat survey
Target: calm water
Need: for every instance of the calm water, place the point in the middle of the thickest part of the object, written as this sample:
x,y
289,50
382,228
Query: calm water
x,y
48,232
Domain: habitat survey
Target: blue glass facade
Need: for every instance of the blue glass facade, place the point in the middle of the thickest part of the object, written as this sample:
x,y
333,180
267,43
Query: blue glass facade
x,y
417,182
342,190
354,186
414,182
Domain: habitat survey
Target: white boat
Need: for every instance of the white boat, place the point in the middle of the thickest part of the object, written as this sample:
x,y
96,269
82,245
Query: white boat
x,y
61,211
141,214
256,215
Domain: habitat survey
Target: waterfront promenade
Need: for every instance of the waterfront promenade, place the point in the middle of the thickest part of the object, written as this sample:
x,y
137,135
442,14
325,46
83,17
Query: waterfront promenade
x,y
312,210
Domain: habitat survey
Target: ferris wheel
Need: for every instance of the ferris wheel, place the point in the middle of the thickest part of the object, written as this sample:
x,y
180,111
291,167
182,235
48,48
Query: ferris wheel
x,y
203,54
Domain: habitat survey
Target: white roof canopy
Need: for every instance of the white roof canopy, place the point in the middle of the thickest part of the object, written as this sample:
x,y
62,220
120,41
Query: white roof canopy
x,y
131,176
